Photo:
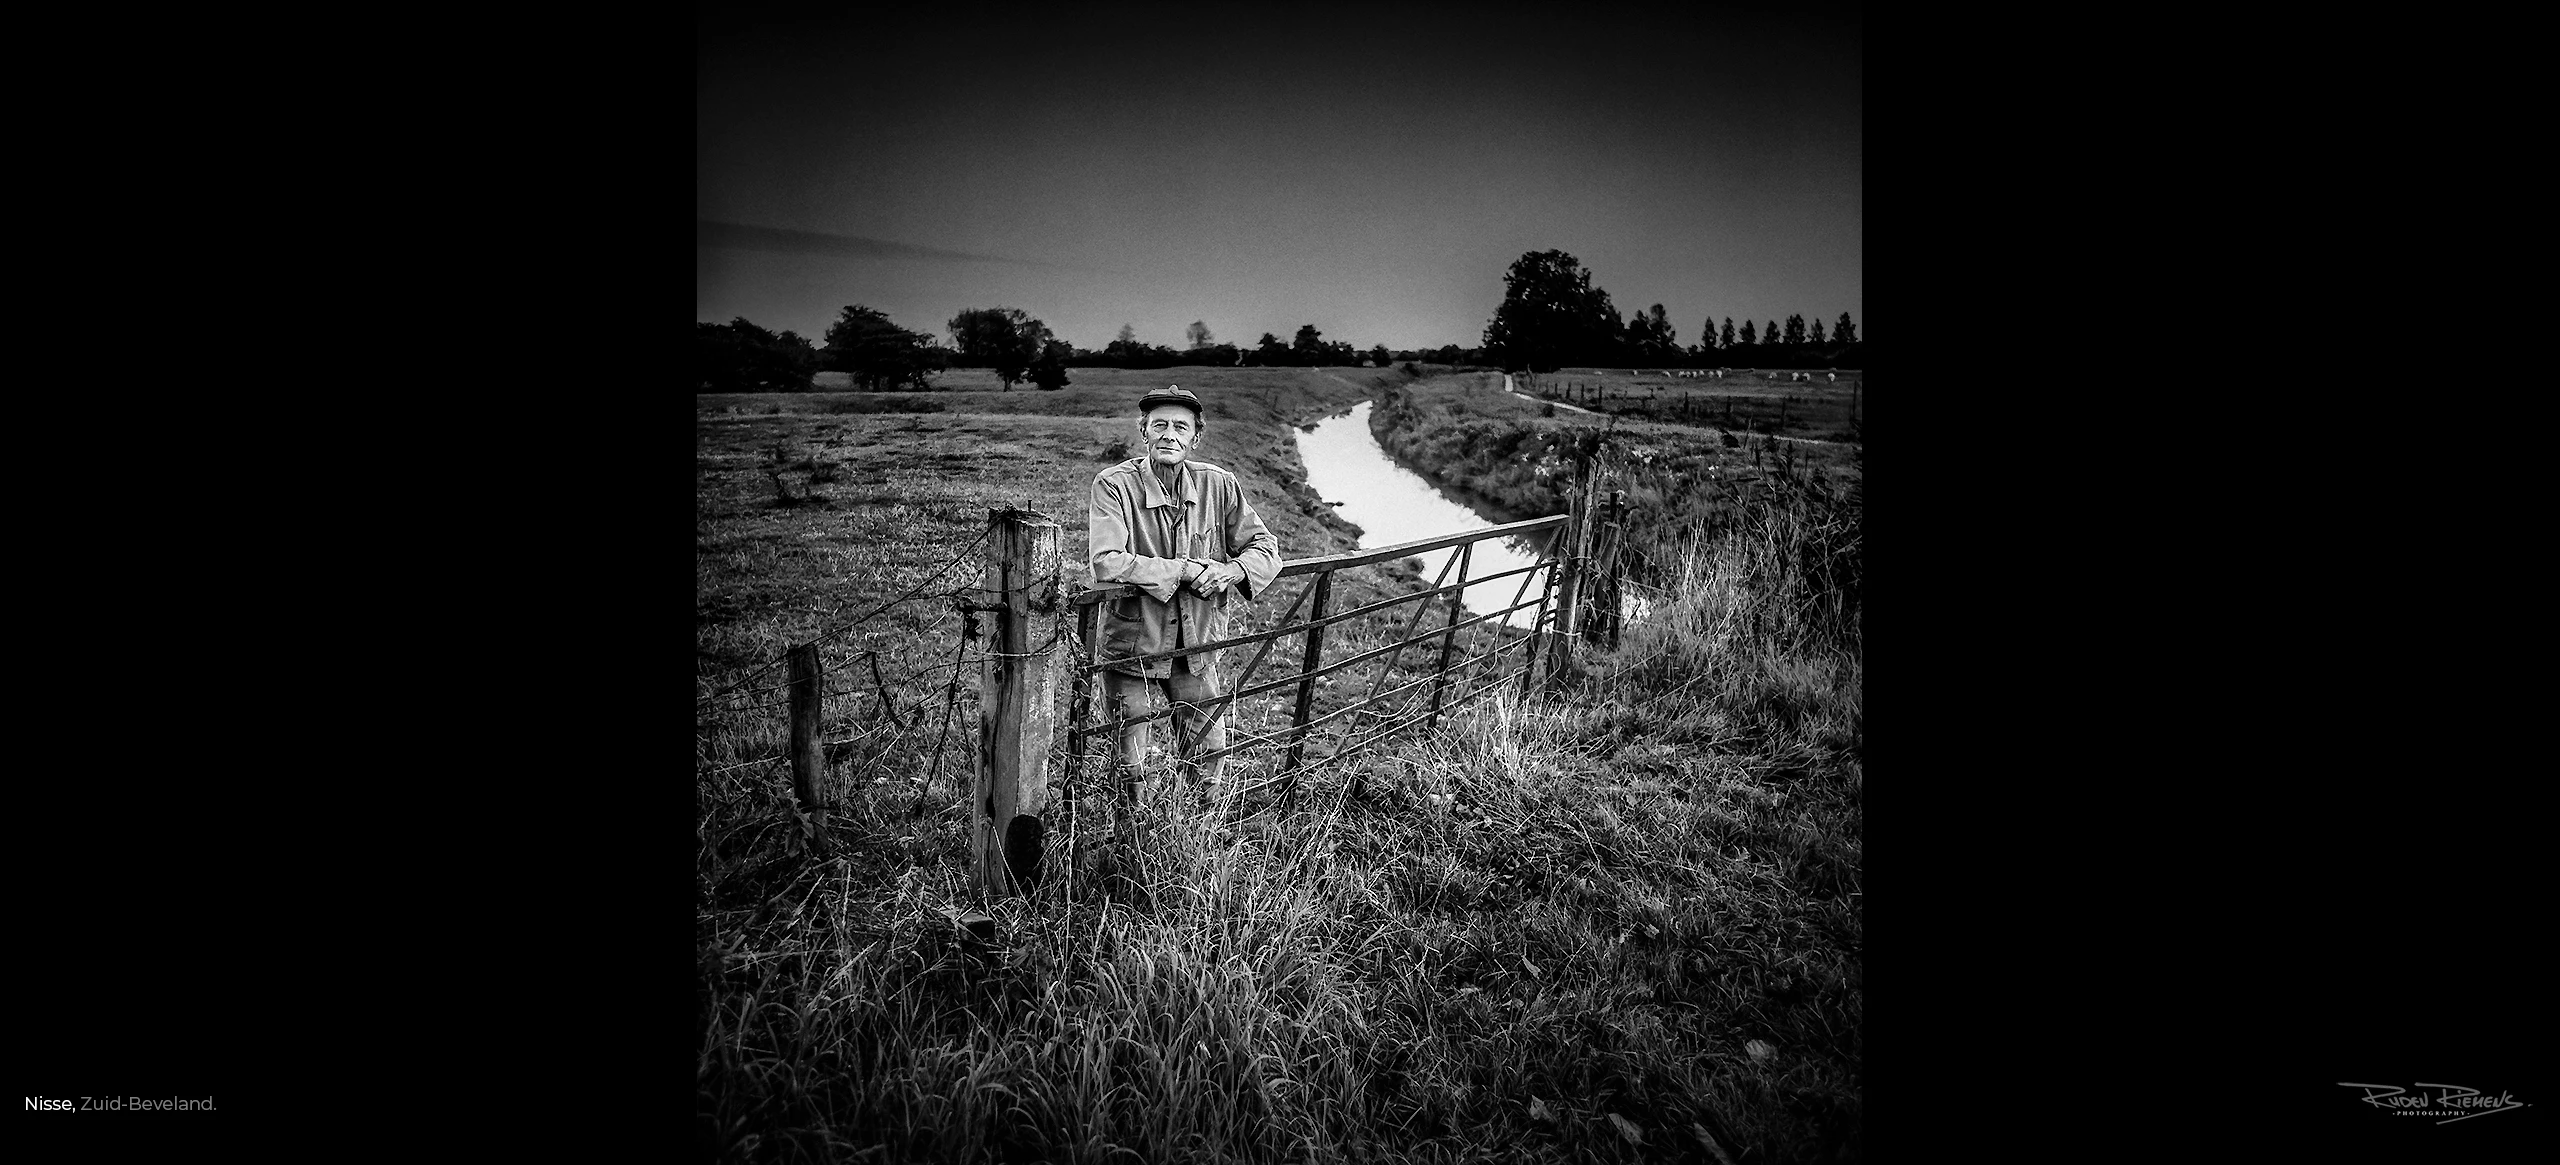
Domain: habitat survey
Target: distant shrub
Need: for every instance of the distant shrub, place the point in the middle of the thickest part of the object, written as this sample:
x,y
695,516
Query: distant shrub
x,y
1116,451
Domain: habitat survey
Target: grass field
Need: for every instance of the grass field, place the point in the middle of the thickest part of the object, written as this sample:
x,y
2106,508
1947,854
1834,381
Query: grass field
x,y
1746,401
1622,924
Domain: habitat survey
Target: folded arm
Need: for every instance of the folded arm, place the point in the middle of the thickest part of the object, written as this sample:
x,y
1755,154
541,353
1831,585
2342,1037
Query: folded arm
x,y
1253,548
1107,530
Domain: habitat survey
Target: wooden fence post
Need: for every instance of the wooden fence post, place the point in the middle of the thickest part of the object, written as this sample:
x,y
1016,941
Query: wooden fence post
x,y
808,757
1568,559
1602,585
1614,537
1307,686
1017,702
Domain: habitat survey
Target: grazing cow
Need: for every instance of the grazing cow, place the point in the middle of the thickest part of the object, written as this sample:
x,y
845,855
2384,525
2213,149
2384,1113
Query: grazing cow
x,y
1831,377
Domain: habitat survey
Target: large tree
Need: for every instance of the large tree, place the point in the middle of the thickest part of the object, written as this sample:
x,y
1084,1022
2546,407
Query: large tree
x,y
1308,347
1270,353
1817,331
1846,333
1795,330
1198,334
1551,315
1749,339
878,354
740,357
1006,339
1728,333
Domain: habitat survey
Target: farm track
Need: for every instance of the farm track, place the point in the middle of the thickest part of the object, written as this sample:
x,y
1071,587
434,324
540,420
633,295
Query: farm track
x,y
1507,387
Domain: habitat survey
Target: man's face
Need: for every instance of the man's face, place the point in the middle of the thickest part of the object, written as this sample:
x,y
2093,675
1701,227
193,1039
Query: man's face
x,y
1169,431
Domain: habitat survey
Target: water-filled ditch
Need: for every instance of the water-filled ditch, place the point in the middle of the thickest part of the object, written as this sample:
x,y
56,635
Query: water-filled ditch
x,y
1392,504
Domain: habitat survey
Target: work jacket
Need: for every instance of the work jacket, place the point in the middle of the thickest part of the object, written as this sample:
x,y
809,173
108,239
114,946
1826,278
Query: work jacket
x,y
1140,535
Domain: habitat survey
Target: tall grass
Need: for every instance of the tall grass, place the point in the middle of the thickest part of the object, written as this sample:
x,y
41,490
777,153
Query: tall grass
x,y
1485,946
1620,922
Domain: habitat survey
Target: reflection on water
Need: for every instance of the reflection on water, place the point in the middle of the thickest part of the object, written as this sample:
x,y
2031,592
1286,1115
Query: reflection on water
x,y
1393,504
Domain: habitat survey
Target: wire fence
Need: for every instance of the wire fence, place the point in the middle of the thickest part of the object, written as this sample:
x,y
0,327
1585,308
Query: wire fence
x,y
828,634
882,703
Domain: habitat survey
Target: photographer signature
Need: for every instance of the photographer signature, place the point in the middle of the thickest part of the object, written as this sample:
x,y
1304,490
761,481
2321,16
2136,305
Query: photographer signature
x,y
2453,1102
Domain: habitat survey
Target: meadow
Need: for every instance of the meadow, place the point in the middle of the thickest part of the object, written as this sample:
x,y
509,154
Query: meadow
x,y
1618,922
1746,401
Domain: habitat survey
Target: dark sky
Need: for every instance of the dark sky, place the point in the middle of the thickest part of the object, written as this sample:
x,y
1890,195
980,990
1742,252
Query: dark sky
x,y
1369,171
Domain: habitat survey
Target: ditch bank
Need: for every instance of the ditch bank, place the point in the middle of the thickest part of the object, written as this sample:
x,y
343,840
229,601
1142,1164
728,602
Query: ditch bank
x,y
1684,485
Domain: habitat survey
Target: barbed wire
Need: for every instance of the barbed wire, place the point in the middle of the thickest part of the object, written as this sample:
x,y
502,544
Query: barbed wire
x,y
822,636
847,661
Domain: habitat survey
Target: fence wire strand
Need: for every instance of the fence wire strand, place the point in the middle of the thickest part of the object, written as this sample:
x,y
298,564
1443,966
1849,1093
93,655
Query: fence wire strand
x,y
832,632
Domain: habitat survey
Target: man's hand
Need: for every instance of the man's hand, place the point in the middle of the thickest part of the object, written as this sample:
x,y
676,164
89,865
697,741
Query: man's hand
x,y
1216,577
1191,568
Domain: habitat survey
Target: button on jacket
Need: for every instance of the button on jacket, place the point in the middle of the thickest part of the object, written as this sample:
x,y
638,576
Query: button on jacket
x,y
1140,535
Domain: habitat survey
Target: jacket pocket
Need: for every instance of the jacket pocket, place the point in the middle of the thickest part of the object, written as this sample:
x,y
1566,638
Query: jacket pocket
x,y
1124,627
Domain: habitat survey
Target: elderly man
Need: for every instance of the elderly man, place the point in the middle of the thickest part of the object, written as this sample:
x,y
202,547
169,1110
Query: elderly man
x,y
1181,532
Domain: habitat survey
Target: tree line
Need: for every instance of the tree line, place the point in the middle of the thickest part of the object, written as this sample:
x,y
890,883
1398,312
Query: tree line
x,y
1553,317
878,355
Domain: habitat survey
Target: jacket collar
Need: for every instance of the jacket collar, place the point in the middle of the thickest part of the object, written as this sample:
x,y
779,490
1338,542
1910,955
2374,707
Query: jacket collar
x,y
1155,485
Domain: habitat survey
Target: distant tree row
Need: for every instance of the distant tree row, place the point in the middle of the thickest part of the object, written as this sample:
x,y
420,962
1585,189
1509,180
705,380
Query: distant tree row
x,y
740,357
879,356
1552,316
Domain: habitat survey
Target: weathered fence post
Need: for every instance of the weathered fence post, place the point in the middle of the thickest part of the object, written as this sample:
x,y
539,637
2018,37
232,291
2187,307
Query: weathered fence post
x,y
1018,703
1307,686
1568,592
1612,608
1603,584
808,757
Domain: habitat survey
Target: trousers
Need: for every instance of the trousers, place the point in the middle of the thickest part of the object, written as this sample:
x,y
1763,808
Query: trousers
x,y
1183,691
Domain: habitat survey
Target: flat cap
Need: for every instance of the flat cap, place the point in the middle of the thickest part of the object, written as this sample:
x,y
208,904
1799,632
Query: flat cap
x,y
1171,394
